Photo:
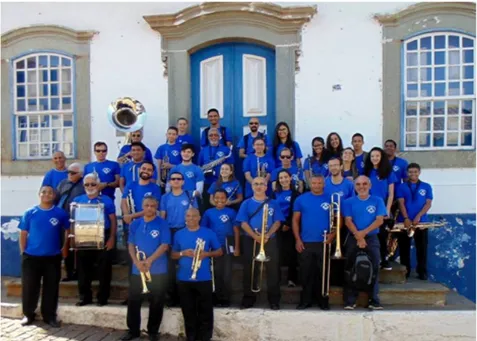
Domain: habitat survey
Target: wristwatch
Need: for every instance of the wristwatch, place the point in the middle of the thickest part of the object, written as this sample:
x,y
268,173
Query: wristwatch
x,y
180,254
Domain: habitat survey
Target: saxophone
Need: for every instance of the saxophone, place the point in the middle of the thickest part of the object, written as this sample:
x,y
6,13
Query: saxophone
x,y
209,167
164,171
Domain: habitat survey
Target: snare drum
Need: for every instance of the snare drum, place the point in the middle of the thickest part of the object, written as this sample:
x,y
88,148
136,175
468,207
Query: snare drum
x,y
87,226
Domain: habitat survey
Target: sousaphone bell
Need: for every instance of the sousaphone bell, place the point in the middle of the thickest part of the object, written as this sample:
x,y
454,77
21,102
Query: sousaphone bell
x,y
127,114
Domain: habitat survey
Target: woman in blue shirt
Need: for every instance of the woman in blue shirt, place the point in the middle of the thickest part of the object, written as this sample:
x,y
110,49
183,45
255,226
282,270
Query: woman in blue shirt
x,y
378,169
334,145
318,163
349,165
285,194
231,185
283,139
260,158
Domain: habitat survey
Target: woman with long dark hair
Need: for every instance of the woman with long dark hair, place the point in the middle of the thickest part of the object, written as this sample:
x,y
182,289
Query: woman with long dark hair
x,y
334,145
349,166
318,162
230,184
378,169
285,194
283,139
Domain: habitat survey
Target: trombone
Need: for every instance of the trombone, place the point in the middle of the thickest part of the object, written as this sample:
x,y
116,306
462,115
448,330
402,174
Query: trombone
x,y
145,276
261,257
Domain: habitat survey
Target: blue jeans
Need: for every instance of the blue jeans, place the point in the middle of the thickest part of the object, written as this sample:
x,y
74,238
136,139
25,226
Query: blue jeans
x,y
350,294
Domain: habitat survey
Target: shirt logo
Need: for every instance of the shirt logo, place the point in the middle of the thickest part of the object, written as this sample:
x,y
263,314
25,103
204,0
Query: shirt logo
x,y
265,165
224,218
228,189
220,154
54,221
190,175
106,170
154,233
422,192
340,193
362,164
325,166
288,198
175,152
396,168
371,209
148,194
295,177
325,206
271,211
184,202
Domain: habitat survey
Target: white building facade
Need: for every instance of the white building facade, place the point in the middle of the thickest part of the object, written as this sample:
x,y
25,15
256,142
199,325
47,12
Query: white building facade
x,y
403,71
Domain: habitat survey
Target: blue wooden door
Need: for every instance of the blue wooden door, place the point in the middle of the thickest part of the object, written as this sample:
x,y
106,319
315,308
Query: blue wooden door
x,y
238,79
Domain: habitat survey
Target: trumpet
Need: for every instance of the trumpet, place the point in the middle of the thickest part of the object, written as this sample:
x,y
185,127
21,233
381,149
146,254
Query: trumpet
x,y
261,170
399,227
164,170
196,261
261,257
209,167
145,276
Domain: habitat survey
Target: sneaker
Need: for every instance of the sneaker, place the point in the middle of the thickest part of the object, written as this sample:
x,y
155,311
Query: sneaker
x,y
373,305
291,284
385,265
350,306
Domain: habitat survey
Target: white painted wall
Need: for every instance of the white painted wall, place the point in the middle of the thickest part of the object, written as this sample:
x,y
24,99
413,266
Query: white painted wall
x,y
341,45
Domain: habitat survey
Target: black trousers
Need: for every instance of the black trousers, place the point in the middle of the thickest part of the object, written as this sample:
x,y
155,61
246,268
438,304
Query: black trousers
x,y
198,309
157,288
288,254
311,272
272,268
86,260
172,291
34,268
420,241
205,204
223,276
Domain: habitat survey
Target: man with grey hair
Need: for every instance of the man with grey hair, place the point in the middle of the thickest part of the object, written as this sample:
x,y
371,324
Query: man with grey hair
x,y
58,173
87,258
66,190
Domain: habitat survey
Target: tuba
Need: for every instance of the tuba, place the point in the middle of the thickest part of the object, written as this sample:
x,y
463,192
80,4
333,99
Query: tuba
x,y
126,114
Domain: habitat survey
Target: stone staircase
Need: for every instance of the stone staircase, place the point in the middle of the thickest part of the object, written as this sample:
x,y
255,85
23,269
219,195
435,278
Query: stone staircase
x,y
395,289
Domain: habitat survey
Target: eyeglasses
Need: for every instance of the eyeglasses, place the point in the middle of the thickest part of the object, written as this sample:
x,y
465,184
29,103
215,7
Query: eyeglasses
x,y
90,185
210,135
317,145
177,179
285,157
283,129
72,172
258,185
253,123
136,135
101,150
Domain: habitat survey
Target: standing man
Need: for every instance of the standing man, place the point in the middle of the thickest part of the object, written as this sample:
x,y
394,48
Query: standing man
x,y
225,136
399,165
87,258
108,171
67,190
168,155
250,216
246,142
58,173
192,174
41,250
336,183
311,218
149,234
415,200
364,214
130,170
125,152
184,136
360,155
196,293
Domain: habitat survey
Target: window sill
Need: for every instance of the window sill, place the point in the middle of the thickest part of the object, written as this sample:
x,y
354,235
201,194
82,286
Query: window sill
x,y
31,167
441,158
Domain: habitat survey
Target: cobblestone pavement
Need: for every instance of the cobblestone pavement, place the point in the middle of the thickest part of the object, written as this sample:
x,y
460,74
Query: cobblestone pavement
x,y
11,330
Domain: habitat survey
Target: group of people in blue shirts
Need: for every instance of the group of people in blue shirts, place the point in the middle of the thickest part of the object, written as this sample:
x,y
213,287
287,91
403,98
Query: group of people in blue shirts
x,y
175,202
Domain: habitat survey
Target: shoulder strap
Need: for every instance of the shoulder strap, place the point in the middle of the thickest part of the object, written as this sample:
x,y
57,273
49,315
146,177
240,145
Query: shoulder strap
x,y
259,208
245,142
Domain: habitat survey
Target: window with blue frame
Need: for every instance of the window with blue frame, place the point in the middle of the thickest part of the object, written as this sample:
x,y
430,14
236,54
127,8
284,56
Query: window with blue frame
x,y
439,92
43,101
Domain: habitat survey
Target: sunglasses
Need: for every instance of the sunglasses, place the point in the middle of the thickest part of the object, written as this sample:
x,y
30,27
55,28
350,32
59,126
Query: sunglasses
x,y
177,179
72,172
136,135
285,157
90,185
253,123
101,150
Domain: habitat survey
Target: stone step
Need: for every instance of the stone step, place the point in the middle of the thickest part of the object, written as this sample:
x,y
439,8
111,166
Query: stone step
x,y
413,292
397,275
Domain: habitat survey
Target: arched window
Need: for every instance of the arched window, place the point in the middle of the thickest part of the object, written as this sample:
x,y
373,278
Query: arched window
x,y
439,91
43,102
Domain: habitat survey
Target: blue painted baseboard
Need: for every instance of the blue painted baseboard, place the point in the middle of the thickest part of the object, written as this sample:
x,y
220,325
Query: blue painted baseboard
x,y
451,252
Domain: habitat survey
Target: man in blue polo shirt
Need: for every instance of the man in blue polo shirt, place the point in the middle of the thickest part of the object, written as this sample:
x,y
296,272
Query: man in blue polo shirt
x,y
311,218
415,200
193,175
151,235
55,175
336,183
87,258
196,293
168,155
41,249
363,214
130,170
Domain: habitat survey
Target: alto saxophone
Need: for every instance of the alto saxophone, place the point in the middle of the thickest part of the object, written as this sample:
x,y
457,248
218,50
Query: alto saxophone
x,y
261,170
209,167
164,170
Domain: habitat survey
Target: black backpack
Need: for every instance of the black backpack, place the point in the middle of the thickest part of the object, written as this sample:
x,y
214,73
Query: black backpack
x,y
362,275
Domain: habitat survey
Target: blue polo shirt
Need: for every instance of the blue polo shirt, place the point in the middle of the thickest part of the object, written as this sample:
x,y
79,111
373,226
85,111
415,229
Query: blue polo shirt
x,y
44,229
140,191
148,237
380,187
192,174
316,166
250,140
53,177
399,166
107,171
359,163
220,221
250,165
173,152
364,212
296,150
249,206
176,207
109,207
345,188
130,172
186,239
229,187
211,153
283,199
127,148
315,216
415,197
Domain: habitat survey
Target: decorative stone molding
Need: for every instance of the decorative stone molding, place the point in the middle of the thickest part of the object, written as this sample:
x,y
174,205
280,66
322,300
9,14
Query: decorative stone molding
x,y
427,8
45,31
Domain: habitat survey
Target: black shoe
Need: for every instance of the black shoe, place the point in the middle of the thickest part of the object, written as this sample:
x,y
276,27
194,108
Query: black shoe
x,y
153,337
53,323
83,302
26,321
172,303
374,305
102,303
224,304
422,277
125,302
246,306
385,265
325,305
274,306
303,306
129,336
